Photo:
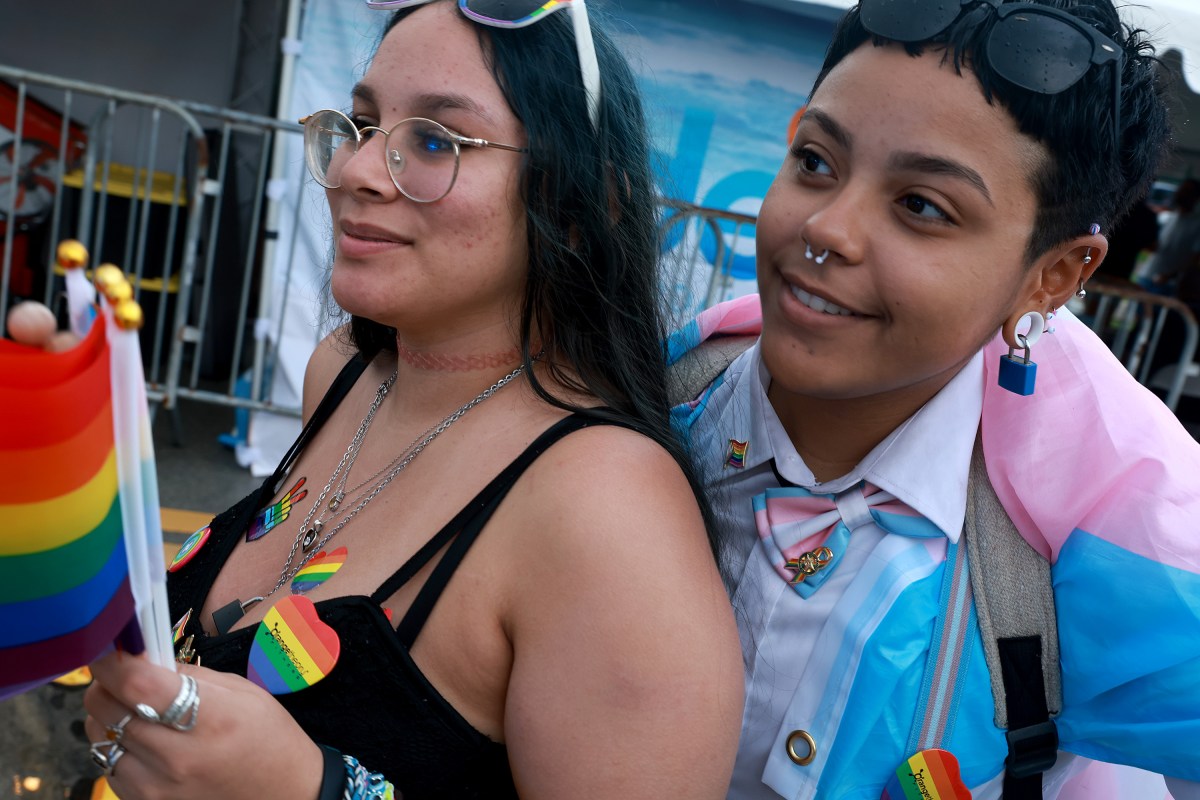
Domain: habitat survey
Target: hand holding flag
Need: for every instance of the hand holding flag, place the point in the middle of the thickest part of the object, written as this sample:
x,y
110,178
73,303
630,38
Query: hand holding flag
x,y
78,557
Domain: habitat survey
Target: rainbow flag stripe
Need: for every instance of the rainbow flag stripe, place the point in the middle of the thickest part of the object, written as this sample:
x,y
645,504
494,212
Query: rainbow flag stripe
x,y
320,569
64,576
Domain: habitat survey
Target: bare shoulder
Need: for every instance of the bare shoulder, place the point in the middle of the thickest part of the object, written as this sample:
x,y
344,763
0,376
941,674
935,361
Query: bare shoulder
x,y
617,616
327,360
612,496
609,468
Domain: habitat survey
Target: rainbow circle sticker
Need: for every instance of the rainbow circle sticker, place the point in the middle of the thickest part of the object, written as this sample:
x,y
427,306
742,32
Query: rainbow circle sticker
x,y
189,549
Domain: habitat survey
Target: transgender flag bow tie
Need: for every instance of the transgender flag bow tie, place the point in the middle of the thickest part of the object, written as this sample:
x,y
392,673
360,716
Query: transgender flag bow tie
x,y
805,534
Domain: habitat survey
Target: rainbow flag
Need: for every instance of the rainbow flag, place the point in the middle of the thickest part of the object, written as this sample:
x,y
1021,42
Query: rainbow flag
x,y
65,590
80,550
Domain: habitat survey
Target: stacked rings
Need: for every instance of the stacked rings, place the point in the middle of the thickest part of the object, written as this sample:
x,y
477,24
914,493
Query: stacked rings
x,y
184,710
107,753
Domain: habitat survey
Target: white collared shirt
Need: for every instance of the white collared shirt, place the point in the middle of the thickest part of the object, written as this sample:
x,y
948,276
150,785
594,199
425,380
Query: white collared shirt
x,y
924,463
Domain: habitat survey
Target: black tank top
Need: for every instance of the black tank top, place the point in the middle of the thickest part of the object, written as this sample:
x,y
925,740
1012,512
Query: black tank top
x,y
375,704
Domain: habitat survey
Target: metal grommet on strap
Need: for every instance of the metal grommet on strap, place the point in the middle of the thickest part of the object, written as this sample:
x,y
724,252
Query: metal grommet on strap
x,y
809,744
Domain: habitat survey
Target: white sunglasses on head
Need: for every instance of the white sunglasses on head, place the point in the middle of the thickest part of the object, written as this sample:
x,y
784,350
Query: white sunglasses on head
x,y
518,14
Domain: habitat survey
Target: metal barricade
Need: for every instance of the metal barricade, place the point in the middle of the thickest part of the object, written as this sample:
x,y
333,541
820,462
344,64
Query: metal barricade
x,y
130,176
700,247
1132,321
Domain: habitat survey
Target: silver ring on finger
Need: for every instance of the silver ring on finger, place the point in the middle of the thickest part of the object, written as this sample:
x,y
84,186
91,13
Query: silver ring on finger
x,y
147,713
114,733
184,710
190,714
106,754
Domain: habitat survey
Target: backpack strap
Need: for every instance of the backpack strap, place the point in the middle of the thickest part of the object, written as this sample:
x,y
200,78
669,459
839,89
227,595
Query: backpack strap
x,y
700,366
1014,602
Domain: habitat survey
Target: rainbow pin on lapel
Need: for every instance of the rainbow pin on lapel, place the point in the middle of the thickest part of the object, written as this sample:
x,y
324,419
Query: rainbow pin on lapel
x,y
736,456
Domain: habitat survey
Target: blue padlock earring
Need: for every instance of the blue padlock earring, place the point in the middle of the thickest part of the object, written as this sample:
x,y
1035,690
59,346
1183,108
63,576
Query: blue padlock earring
x,y
1018,373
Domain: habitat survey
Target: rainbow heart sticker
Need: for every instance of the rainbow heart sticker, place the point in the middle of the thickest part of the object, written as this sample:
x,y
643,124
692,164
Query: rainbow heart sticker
x,y
929,775
320,569
189,548
292,648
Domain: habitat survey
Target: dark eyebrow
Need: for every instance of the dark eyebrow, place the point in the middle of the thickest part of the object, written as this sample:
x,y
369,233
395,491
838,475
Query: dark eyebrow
x,y
831,127
936,165
363,92
429,104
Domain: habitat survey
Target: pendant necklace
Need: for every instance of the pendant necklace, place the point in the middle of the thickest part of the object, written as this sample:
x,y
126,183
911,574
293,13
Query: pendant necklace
x,y
310,529
307,537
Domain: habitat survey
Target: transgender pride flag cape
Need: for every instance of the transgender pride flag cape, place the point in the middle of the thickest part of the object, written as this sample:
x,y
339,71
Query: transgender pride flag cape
x,y
79,502
1101,478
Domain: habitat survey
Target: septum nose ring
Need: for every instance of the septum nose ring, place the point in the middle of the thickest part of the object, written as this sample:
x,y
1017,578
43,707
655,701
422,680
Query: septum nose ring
x,y
808,253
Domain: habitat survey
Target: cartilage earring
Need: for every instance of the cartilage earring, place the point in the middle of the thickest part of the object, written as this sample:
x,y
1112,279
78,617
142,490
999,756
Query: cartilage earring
x,y
1082,292
1018,374
1093,229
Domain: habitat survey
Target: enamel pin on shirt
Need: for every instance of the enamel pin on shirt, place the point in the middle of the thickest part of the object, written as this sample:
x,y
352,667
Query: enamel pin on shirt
x,y
736,455
271,516
189,548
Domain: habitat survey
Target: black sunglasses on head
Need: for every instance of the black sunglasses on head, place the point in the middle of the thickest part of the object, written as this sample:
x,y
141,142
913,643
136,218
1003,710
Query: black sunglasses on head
x,y
1032,46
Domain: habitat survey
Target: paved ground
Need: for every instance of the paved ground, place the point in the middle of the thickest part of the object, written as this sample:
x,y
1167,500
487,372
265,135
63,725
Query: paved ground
x,y
43,750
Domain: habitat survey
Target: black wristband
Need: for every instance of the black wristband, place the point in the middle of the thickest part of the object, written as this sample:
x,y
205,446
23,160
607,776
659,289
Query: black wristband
x,y
333,781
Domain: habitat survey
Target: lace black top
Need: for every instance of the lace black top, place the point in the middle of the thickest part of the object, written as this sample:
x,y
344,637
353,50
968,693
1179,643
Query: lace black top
x,y
375,704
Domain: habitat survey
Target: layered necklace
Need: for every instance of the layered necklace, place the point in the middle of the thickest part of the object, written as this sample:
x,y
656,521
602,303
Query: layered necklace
x,y
310,529
312,537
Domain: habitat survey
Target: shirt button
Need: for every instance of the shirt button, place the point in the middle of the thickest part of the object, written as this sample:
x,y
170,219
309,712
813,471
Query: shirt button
x,y
801,748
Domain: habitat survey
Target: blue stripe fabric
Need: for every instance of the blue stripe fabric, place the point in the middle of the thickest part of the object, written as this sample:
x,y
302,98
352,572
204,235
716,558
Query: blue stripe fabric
x,y
1129,632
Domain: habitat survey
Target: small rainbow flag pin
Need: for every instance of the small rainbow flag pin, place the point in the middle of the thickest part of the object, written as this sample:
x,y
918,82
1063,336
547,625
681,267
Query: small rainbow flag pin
x,y
178,628
737,454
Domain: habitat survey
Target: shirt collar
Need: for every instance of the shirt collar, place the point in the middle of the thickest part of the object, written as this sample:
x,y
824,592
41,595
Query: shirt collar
x,y
924,462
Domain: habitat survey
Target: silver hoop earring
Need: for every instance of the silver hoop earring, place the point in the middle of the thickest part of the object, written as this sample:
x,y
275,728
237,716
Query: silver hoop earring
x,y
808,253
821,258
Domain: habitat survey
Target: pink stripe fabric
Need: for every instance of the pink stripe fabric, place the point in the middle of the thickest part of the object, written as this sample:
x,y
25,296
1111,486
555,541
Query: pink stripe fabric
x,y
1091,449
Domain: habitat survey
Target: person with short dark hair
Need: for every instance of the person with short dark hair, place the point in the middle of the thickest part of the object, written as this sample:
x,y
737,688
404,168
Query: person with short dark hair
x,y
487,509
947,192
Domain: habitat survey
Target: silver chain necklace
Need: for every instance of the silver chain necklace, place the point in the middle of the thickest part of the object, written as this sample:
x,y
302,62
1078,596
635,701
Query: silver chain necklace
x,y
310,529
306,536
